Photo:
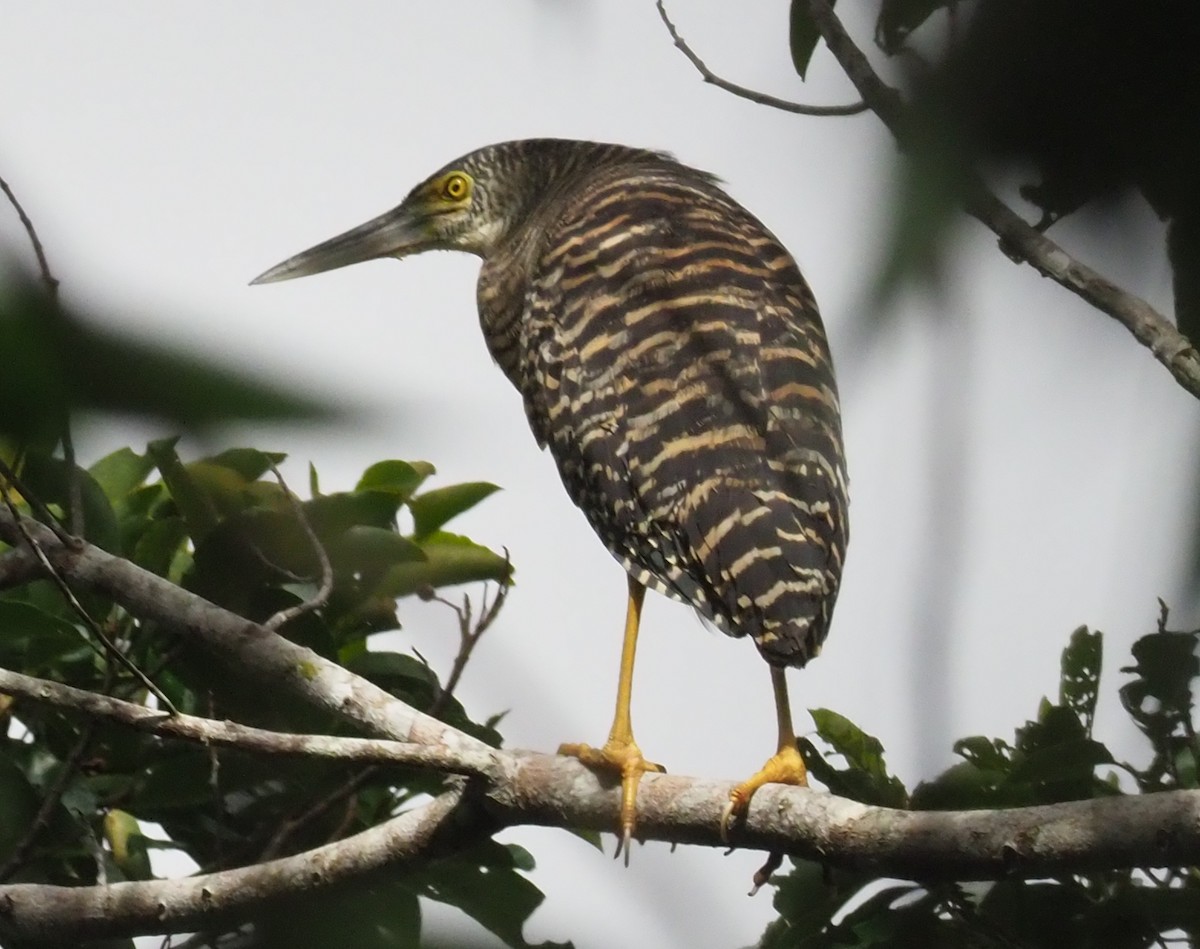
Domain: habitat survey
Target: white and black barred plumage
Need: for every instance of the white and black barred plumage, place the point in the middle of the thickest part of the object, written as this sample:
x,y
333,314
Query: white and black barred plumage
x,y
672,359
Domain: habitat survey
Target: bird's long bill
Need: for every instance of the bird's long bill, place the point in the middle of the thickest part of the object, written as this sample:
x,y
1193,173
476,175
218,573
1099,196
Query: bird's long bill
x,y
394,234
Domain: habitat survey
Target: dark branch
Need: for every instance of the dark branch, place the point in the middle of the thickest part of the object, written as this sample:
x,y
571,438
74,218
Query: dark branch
x,y
1019,239
74,485
761,98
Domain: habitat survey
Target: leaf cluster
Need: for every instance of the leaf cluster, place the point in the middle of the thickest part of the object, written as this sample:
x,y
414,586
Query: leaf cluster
x,y
1053,757
225,528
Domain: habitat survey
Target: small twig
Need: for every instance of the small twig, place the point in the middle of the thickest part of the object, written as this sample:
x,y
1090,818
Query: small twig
x,y
469,637
74,487
325,588
73,601
317,810
43,265
761,98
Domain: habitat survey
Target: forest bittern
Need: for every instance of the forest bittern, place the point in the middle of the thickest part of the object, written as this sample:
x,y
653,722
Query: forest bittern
x,y
672,358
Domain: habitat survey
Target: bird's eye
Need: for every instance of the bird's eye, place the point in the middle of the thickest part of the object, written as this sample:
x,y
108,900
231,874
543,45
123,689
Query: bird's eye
x,y
456,186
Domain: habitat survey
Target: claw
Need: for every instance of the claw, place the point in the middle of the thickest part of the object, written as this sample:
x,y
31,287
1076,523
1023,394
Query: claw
x,y
727,813
785,767
625,758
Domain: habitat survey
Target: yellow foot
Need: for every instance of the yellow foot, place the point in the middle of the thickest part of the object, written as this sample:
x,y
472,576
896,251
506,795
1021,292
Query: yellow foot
x,y
624,758
785,767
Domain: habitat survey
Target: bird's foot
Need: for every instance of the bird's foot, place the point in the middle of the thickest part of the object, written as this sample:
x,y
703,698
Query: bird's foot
x,y
786,766
624,758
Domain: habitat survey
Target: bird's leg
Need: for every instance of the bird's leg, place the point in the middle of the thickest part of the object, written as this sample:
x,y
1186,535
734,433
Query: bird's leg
x,y
786,766
621,753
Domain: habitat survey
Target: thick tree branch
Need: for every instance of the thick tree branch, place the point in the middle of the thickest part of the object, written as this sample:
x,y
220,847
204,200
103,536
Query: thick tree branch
x,y
509,788
35,914
1140,831
18,566
1018,238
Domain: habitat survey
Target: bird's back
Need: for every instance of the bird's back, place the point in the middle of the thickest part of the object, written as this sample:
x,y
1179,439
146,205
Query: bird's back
x,y
673,360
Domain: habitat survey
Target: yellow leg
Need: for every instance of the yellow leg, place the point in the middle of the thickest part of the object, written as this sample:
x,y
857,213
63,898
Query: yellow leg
x,y
786,766
621,753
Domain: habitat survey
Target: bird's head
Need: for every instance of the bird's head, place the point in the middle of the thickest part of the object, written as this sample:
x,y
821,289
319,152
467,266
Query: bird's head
x,y
470,204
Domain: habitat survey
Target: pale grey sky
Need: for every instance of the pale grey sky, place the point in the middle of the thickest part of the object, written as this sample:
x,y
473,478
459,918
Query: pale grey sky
x,y
171,152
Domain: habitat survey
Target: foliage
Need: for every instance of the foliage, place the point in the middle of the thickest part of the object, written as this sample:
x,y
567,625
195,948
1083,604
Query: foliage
x,y
58,361
1084,101
1052,758
222,526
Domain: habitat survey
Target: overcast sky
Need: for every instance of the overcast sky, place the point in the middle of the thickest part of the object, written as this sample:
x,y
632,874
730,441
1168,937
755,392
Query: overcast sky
x,y
1018,465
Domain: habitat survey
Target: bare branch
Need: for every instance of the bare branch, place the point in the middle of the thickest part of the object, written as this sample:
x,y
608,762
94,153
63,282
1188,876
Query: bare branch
x,y
469,637
325,588
74,485
761,98
234,735
319,807
1120,832
39,252
1020,240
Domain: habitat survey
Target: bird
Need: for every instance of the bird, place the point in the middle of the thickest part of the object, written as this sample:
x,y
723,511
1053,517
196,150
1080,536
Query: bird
x,y
672,359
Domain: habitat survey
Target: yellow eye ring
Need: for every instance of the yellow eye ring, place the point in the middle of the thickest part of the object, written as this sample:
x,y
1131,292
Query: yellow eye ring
x,y
456,187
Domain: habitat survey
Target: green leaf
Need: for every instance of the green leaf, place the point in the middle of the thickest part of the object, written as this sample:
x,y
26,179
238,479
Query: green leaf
x,y
1159,700
434,508
331,514
175,783
35,641
803,36
403,676
1080,684
18,803
989,754
366,549
56,359
250,463
377,914
400,478
128,844
121,472
866,779
1072,760
196,508
159,544
450,559
47,479
485,884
